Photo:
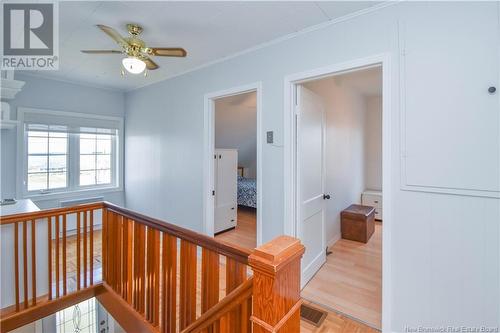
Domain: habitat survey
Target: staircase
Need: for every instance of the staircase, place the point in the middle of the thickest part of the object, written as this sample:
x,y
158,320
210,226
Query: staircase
x,y
151,276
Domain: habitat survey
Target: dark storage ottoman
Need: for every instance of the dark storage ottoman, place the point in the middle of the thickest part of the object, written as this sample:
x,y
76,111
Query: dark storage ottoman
x,y
357,223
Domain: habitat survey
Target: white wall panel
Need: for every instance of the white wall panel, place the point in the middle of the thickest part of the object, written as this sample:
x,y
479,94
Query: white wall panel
x,y
451,124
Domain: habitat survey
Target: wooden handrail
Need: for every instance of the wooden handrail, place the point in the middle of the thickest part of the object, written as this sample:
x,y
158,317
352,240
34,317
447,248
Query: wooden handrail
x,y
156,270
228,303
238,253
8,219
235,252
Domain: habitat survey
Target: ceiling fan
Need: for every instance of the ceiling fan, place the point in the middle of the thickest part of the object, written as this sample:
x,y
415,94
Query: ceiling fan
x,y
138,54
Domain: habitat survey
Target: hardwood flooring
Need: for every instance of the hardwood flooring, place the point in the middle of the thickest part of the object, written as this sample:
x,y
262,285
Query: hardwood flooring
x,y
351,280
71,260
245,233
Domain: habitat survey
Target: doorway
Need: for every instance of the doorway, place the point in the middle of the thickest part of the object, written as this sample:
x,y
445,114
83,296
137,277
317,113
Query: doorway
x,y
330,168
233,166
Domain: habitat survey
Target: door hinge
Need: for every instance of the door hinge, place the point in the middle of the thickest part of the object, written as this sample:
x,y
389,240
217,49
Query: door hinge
x,y
213,192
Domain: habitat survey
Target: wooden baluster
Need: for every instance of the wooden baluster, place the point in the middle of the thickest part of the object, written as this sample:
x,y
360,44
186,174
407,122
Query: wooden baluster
x,y
56,235
118,255
104,213
130,244
147,280
149,274
142,266
246,313
91,233
64,270
187,284
147,289
109,245
224,324
125,260
137,243
141,269
114,253
33,261
209,283
78,255
276,267
235,275
85,249
49,264
111,249
169,265
25,263
156,278
16,263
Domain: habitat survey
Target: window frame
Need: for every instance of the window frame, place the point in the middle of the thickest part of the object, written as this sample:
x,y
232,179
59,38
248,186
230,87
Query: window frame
x,y
73,159
113,166
27,154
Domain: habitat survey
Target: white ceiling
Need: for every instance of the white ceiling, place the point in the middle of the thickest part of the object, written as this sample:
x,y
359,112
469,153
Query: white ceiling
x,y
207,30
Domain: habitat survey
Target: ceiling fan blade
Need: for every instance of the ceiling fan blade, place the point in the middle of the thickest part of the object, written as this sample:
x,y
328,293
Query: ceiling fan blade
x,y
150,64
168,51
101,51
114,35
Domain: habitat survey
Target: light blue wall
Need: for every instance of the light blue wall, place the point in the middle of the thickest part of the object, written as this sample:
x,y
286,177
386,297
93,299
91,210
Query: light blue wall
x,y
444,256
55,95
164,121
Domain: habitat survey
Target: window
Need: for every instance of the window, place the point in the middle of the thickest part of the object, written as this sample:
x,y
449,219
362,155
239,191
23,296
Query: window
x,y
95,159
81,317
66,153
47,160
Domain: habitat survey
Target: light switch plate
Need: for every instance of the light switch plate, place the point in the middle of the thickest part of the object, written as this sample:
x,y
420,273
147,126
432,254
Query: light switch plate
x,y
270,138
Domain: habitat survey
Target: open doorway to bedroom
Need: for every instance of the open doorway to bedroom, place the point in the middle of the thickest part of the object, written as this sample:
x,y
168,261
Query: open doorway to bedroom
x,y
339,184
350,281
235,168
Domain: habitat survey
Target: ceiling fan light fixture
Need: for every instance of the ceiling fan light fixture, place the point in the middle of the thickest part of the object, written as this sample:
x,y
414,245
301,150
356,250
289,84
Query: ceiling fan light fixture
x,y
134,65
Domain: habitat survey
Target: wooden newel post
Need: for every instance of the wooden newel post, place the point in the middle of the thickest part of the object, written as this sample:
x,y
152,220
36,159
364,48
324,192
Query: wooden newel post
x,y
276,287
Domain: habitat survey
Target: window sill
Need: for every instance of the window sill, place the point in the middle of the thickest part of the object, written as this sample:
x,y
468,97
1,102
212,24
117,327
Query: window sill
x,y
73,194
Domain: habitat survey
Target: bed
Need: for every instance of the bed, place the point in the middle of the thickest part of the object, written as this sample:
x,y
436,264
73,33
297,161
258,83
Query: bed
x,y
247,192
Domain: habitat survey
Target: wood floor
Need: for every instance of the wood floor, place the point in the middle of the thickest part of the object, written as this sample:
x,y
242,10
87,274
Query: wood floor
x,y
351,279
245,233
335,323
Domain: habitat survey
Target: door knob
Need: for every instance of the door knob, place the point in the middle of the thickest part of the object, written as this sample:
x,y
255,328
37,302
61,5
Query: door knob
x,y
326,196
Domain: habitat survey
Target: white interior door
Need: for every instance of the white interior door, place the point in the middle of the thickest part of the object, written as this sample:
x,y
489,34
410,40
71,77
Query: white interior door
x,y
310,180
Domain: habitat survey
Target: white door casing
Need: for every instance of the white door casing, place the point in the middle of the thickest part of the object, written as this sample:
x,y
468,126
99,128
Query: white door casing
x,y
291,218
311,180
209,143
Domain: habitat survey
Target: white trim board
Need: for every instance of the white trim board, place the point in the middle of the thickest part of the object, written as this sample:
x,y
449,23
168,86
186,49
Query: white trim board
x,y
290,204
209,147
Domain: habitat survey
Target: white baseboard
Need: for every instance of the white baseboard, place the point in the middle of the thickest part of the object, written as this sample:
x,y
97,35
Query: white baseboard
x,y
333,240
311,269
